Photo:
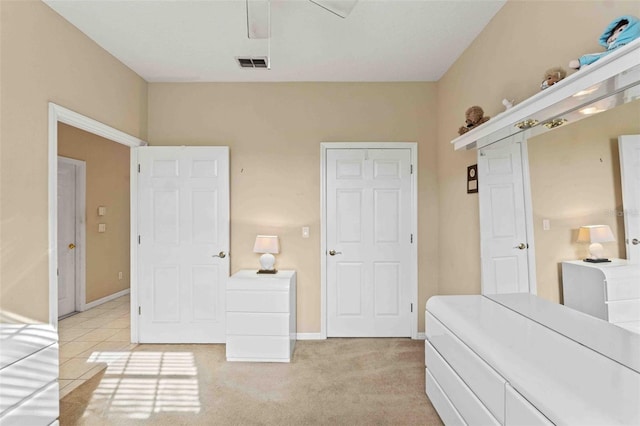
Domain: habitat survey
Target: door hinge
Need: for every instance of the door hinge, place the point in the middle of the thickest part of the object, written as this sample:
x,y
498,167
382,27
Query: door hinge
x,y
412,307
412,169
58,272
411,238
139,310
138,168
138,239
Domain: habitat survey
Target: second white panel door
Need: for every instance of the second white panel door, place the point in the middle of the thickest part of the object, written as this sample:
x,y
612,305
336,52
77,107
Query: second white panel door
x,y
504,242
66,237
630,170
183,208
368,242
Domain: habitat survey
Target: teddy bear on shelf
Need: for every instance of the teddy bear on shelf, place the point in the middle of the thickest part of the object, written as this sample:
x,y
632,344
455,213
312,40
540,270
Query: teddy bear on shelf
x,y
621,31
474,117
552,76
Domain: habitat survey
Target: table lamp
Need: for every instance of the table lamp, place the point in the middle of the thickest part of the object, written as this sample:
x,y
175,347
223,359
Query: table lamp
x,y
595,234
268,245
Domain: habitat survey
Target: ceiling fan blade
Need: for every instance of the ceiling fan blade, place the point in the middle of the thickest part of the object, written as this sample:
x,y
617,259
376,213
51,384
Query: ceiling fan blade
x,y
258,19
342,8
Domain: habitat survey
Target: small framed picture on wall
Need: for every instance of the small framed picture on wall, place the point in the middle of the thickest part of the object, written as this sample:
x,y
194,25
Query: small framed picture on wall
x,y
472,179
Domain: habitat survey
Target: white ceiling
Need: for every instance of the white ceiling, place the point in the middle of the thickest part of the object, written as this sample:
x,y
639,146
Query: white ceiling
x,y
188,41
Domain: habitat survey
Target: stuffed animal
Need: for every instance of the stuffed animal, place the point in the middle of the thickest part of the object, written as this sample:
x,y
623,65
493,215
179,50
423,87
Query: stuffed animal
x,y
508,103
474,117
552,76
621,31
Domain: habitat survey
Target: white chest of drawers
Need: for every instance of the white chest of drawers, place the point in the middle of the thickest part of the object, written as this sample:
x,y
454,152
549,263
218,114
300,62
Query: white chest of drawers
x,y
261,316
521,360
610,291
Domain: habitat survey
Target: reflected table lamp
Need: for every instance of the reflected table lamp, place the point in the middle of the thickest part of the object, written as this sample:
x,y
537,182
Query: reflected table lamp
x,y
268,245
595,235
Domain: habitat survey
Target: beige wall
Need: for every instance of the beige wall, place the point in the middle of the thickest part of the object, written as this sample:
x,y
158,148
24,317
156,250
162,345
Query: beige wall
x,y
43,58
575,181
274,133
108,167
507,60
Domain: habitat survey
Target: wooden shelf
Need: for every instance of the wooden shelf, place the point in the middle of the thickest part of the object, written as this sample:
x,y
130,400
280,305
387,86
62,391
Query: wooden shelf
x,y
608,82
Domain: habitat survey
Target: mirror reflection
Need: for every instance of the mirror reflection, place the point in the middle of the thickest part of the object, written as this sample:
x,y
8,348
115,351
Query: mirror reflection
x,y
575,181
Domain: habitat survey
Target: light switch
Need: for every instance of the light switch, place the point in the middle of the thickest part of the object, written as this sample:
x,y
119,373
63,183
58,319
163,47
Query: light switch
x,y
546,225
102,210
305,232
102,227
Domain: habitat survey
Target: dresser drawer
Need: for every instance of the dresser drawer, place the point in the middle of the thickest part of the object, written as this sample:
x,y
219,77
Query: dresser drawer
x,y
259,348
258,324
483,380
20,379
441,403
467,404
624,310
41,408
257,301
520,412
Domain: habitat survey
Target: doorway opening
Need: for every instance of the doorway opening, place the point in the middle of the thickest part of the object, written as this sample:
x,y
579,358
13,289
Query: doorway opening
x,y
58,115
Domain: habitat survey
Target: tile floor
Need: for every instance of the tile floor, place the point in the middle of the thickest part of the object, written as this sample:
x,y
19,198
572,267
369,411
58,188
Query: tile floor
x,y
103,328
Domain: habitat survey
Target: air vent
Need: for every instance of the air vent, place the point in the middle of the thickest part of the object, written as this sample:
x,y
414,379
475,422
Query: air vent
x,y
253,62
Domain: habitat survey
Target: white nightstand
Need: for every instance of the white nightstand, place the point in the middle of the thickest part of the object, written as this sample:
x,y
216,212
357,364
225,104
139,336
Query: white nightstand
x,y
610,291
261,316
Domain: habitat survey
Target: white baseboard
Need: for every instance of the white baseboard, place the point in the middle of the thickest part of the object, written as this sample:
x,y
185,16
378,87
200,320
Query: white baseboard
x,y
310,336
105,299
421,336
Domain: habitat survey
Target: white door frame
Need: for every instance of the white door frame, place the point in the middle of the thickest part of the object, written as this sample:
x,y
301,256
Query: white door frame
x,y
413,269
80,289
59,114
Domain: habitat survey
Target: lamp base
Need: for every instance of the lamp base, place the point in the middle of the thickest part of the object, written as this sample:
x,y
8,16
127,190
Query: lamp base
x,y
596,260
267,271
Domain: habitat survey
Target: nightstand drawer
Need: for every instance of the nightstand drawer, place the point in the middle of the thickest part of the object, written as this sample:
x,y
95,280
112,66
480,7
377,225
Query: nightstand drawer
x,y
624,310
623,289
259,348
257,324
257,301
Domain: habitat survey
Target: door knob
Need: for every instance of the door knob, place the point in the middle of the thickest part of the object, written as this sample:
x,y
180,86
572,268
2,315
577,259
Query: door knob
x,y
521,246
221,255
72,246
333,252
635,241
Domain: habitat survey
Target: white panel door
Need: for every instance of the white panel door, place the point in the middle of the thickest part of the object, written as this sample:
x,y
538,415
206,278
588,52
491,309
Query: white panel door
x,y
368,242
630,176
503,236
66,238
183,222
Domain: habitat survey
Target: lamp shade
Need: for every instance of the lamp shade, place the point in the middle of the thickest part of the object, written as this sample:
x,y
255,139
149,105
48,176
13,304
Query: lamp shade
x,y
595,234
266,244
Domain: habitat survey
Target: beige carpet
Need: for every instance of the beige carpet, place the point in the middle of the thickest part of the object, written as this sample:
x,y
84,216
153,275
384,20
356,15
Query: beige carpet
x,y
336,382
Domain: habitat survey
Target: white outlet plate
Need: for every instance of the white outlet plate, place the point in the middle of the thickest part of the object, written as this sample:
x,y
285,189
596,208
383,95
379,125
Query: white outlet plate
x,y
546,224
305,232
102,227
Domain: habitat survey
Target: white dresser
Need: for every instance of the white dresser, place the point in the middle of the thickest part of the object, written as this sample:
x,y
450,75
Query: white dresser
x,y
610,291
261,316
28,375
516,359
